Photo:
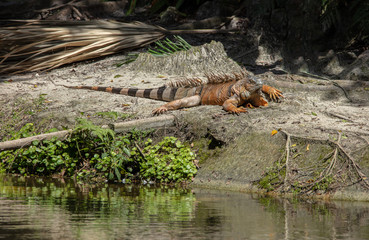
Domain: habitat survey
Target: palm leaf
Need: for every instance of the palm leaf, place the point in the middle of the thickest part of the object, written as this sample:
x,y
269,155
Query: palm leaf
x,y
32,45
167,47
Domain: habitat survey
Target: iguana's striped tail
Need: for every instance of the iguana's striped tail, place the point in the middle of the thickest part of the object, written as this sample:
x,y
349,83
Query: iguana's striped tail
x,y
163,93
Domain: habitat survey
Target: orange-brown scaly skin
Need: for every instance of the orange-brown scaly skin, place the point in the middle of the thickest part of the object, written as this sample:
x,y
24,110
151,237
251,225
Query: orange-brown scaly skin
x,y
233,95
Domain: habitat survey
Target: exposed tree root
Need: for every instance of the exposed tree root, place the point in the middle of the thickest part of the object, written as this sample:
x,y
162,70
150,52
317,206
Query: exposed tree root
x,y
335,170
286,178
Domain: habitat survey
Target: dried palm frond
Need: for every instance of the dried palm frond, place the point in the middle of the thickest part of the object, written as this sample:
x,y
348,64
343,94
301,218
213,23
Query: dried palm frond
x,y
33,45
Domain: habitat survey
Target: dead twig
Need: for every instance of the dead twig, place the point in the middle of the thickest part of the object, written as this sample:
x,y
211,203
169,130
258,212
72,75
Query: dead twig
x,y
327,171
338,116
56,7
79,14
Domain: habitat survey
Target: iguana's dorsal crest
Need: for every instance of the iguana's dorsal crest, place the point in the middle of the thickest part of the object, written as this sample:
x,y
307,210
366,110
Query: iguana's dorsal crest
x,y
212,78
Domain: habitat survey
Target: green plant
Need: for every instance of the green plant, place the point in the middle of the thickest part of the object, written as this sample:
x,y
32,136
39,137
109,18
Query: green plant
x,y
162,48
112,163
41,158
92,152
168,161
131,57
273,178
167,47
324,184
27,130
132,6
89,146
99,150
113,115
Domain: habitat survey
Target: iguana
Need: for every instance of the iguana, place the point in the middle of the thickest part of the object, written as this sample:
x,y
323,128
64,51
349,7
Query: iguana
x,y
234,93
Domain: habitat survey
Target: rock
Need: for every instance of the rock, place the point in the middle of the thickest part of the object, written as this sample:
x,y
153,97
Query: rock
x,y
238,24
359,69
334,64
170,16
333,67
266,56
330,64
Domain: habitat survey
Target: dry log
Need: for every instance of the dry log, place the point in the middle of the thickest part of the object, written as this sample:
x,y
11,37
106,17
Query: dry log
x,y
141,124
23,142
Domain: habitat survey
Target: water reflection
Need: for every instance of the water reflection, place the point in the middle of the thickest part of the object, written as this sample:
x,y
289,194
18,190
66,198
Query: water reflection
x,y
36,208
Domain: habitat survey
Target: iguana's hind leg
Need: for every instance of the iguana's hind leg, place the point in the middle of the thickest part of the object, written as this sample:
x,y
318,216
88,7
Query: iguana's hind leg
x,y
273,93
180,103
231,105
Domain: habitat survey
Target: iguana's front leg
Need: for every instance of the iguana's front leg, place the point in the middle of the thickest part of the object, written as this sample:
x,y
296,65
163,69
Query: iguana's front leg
x,y
256,101
180,103
231,105
273,93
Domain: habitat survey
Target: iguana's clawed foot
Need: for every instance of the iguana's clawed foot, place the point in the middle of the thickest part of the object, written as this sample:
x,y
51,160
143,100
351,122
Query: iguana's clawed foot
x,y
159,110
275,94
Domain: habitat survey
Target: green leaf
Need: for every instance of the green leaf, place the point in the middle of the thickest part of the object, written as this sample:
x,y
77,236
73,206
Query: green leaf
x,y
127,152
117,173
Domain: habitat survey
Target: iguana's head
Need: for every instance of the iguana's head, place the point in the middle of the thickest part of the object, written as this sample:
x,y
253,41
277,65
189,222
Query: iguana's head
x,y
250,86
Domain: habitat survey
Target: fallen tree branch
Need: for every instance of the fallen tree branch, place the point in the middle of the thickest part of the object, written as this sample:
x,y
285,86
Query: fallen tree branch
x,y
141,124
24,142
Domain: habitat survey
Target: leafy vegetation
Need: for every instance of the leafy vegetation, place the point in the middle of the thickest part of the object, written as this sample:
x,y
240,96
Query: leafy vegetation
x,y
272,178
168,161
161,48
95,153
167,47
114,115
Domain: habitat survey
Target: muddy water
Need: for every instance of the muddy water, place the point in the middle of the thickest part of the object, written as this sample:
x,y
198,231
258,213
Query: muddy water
x,y
34,208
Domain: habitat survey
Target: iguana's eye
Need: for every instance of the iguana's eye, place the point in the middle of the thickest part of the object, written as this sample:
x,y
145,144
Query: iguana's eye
x,y
256,80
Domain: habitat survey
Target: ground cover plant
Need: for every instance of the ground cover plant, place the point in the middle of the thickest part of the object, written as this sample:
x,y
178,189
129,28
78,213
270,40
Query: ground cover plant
x,y
98,154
